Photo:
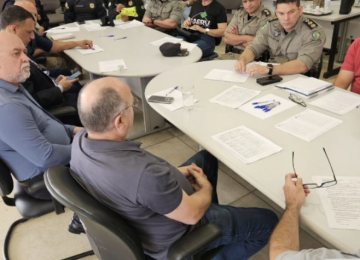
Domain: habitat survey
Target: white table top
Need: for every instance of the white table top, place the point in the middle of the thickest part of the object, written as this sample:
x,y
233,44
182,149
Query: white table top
x,y
341,143
141,58
335,16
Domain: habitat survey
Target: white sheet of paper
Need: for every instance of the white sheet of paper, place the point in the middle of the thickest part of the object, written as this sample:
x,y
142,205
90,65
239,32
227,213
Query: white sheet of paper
x,y
176,94
111,65
63,36
226,75
187,45
338,102
129,25
63,29
341,202
165,39
216,74
308,124
118,22
235,96
284,105
95,49
94,27
246,144
305,85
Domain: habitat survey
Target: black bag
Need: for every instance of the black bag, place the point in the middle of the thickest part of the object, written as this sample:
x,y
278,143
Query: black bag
x,y
106,21
189,35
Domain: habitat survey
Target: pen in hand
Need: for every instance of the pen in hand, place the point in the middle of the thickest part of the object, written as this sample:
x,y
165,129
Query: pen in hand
x,y
171,91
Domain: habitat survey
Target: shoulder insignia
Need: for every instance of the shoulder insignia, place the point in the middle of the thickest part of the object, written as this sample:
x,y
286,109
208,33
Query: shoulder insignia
x,y
266,12
310,23
273,19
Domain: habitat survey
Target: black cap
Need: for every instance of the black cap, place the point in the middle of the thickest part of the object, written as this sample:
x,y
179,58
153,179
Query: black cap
x,y
169,49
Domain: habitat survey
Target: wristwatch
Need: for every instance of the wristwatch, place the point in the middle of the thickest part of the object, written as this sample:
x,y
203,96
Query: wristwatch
x,y
152,20
207,30
270,67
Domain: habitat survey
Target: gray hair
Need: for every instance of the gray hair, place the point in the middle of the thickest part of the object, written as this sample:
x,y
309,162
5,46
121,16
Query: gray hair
x,y
14,15
98,117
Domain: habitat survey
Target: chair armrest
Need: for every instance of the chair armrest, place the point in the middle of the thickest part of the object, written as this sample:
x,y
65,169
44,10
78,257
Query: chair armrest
x,y
34,184
63,111
193,242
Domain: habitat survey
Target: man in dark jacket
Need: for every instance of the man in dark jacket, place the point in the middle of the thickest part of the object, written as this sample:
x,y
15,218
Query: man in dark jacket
x,y
82,10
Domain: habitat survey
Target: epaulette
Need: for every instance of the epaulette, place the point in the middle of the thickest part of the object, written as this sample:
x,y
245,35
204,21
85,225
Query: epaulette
x,y
273,19
266,12
310,23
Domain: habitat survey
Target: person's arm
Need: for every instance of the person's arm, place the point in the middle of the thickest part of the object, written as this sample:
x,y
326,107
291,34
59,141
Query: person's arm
x,y
62,46
287,68
286,235
236,39
344,79
347,72
166,24
38,52
246,57
21,133
69,14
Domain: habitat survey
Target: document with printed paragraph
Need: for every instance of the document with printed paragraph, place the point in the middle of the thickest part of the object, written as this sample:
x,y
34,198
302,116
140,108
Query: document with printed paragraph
x,y
308,125
338,102
246,144
341,202
235,96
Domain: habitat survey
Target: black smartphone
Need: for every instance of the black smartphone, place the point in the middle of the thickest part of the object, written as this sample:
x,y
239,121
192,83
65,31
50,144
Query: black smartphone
x,y
269,80
161,99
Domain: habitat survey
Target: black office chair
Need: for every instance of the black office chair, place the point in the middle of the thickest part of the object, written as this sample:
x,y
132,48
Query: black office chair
x,y
109,235
28,206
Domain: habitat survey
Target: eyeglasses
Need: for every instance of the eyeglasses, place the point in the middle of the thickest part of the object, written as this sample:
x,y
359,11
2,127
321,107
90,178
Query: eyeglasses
x,y
135,104
314,185
297,100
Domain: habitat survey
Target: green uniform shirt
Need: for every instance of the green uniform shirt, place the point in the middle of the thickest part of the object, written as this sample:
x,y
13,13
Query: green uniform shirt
x,y
169,9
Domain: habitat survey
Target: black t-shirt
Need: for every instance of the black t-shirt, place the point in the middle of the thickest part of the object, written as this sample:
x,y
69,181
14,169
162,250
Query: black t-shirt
x,y
208,16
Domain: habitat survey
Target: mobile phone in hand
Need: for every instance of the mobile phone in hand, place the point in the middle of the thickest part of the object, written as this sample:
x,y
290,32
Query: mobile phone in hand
x,y
75,75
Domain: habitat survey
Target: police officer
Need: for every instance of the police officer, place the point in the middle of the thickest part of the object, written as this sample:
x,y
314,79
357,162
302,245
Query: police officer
x,y
115,7
164,15
82,10
246,22
292,39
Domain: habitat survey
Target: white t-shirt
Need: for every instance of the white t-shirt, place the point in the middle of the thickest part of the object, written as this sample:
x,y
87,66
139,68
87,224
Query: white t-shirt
x,y
317,254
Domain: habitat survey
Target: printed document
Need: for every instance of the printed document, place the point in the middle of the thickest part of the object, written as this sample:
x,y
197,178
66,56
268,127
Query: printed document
x,y
338,102
246,144
227,75
305,85
341,202
112,65
308,125
235,96
94,49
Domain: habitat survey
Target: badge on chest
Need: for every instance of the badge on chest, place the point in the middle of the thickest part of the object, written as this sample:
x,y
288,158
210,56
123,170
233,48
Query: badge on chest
x,y
130,3
92,6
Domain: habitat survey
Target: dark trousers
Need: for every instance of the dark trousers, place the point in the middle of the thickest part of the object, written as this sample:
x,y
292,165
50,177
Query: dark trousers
x,y
245,231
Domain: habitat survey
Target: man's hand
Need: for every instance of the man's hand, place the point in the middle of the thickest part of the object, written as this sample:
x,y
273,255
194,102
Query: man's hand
x,y
187,23
233,29
66,84
146,20
186,171
76,129
41,31
240,65
85,44
184,4
199,181
257,69
245,44
197,28
119,7
295,192
124,18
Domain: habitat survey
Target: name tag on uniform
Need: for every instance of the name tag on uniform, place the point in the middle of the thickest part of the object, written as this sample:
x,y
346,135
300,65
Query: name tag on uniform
x,y
203,15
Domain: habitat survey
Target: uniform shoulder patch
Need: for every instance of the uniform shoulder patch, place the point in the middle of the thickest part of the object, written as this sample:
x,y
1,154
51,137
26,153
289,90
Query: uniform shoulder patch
x,y
266,12
273,19
310,23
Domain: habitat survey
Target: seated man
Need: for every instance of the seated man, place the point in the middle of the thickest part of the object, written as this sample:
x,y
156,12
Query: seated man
x,y
41,45
164,15
158,200
31,139
116,6
292,39
245,23
83,10
284,242
47,88
350,70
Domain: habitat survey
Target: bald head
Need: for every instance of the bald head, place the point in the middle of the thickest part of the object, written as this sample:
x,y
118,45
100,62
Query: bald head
x,y
101,101
28,6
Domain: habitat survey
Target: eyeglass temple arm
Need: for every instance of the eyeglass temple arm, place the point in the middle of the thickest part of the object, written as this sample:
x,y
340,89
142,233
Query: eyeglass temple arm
x,y
330,164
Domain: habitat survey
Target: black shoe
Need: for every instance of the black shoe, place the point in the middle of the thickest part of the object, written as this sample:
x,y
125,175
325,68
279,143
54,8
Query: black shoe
x,y
76,226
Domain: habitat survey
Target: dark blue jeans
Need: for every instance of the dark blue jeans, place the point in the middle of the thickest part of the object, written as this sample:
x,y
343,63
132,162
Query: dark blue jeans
x,y
207,45
54,73
245,231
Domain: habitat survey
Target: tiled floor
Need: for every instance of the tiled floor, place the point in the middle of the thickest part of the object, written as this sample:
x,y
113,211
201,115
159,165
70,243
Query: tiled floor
x,y
47,237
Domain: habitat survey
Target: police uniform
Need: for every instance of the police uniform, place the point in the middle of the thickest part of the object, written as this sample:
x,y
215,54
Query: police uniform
x,y
82,10
42,18
140,9
305,42
169,9
249,27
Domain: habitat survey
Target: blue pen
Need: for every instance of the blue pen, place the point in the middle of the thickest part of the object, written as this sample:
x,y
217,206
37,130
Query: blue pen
x,y
171,90
110,36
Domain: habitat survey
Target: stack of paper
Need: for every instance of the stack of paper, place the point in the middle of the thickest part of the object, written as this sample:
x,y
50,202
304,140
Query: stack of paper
x,y
306,86
112,65
129,25
246,144
94,49
308,125
226,75
341,202
62,29
235,96
94,27
338,102
63,36
165,39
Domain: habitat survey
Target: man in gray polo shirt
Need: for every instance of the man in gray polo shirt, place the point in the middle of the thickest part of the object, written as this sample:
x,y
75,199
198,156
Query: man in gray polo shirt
x,y
159,201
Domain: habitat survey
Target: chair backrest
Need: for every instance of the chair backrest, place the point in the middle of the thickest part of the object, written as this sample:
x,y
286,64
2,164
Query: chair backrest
x,y
6,182
50,5
109,235
231,4
2,5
